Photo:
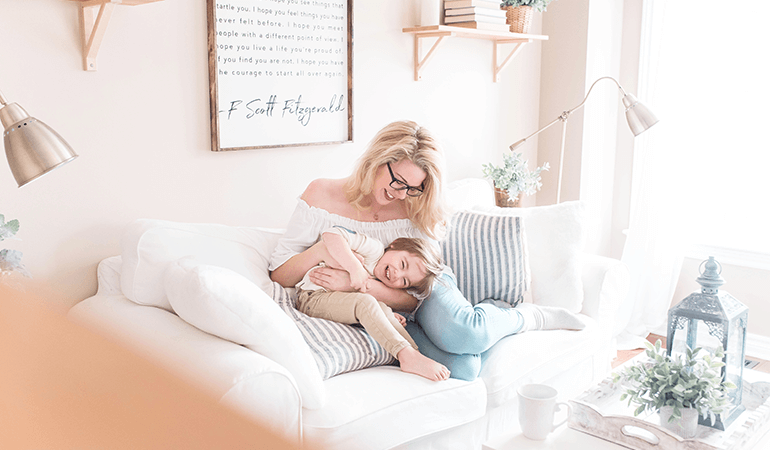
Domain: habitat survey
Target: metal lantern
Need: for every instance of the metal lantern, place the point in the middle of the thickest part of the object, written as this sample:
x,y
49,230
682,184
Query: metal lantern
x,y
707,319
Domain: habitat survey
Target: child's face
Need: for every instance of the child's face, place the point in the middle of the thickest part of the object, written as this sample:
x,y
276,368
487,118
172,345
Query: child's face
x,y
400,269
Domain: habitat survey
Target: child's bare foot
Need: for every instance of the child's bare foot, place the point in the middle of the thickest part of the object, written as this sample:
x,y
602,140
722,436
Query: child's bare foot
x,y
412,361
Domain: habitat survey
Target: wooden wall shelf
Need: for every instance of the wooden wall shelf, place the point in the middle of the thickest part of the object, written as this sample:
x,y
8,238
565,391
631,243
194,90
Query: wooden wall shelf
x,y
499,38
94,17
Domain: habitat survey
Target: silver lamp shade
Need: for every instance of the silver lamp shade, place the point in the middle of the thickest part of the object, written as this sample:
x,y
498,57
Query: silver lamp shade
x,y
32,147
639,117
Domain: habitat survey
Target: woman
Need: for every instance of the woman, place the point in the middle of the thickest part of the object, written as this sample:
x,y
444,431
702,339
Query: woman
x,y
396,191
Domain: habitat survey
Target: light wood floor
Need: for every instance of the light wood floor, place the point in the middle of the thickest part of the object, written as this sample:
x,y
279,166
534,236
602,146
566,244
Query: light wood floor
x,y
625,355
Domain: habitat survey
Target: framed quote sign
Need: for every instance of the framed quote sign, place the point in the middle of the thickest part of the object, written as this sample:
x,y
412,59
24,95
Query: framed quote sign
x,y
280,73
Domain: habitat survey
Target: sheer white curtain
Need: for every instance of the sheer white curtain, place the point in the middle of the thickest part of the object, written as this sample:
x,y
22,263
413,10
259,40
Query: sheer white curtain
x,y
652,250
700,174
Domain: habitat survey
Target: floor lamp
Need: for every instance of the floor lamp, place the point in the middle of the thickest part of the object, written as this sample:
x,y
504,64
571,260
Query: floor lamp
x,y
638,116
32,147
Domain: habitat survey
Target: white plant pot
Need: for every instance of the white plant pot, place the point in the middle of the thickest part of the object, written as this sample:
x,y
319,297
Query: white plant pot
x,y
685,427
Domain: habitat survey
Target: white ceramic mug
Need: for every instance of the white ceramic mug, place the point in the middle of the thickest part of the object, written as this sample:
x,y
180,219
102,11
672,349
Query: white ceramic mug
x,y
537,405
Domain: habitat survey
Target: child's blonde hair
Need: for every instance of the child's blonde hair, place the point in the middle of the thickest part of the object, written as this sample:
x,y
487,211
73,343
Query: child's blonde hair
x,y
428,254
398,141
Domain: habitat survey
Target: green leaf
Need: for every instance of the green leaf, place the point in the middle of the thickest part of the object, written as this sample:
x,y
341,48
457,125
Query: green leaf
x,y
8,230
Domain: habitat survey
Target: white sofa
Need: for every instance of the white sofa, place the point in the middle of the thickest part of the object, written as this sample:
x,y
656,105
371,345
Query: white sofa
x,y
377,407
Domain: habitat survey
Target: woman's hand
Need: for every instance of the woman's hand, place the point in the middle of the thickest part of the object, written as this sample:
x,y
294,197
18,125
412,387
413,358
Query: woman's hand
x,y
332,279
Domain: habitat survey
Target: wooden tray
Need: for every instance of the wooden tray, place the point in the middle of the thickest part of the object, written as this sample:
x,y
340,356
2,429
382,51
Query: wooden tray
x,y
599,412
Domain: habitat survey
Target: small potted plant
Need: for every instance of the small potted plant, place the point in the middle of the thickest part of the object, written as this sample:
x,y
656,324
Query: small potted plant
x,y
680,389
519,13
10,260
513,179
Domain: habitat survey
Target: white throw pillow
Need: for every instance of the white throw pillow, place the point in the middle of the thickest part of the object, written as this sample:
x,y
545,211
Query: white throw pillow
x,y
148,246
226,304
555,237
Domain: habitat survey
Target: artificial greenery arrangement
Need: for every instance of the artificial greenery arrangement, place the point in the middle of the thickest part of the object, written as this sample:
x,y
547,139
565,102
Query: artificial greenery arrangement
x,y
10,260
537,5
514,176
691,382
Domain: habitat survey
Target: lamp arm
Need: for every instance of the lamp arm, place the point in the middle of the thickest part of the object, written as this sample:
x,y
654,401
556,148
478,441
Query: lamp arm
x,y
565,115
591,89
521,141
3,100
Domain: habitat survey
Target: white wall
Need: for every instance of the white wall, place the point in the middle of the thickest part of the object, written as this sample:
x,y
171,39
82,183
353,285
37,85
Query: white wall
x,y
563,80
140,124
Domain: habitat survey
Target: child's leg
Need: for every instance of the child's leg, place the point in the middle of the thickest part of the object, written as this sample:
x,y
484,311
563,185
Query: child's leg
x,y
396,324
355,307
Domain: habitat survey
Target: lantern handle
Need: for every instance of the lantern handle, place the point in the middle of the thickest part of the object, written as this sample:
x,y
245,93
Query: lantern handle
x,y
719,266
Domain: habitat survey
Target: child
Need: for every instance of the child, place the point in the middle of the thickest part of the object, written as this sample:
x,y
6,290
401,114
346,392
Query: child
x,y
407,263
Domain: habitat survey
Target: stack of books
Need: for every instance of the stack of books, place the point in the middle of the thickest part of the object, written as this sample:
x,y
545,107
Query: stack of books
x,y
478,14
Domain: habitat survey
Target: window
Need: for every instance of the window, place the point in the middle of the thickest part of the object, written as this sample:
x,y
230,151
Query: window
x,y
706,75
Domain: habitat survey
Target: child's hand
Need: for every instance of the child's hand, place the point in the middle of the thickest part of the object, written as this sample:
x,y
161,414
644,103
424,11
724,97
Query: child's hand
x,y
358,280
401,319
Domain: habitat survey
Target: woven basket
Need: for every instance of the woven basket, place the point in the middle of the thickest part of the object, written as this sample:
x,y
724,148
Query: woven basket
x,y
519,18
504,201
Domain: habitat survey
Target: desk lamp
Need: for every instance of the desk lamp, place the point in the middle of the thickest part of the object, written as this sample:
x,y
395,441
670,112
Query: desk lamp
x,y
638,116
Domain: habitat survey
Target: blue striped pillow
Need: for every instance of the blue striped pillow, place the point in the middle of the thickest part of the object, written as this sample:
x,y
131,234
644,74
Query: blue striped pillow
x,y
336,347
488,255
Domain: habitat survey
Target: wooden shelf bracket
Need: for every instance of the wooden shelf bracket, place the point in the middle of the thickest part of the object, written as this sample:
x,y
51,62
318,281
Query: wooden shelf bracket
x,y
420,61
498,68
94,17
93,25
440,32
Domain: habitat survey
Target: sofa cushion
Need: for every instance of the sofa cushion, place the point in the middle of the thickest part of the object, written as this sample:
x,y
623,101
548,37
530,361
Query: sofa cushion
x,y
382,407
535,357
226,304
488,255
555,238
336,347
148,246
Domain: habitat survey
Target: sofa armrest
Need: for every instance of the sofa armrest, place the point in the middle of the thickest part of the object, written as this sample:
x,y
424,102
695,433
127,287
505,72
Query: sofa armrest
x,y
605,286
252,384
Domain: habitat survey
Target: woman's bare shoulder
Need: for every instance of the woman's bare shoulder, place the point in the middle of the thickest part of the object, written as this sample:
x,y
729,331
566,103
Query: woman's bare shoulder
x,y
325,193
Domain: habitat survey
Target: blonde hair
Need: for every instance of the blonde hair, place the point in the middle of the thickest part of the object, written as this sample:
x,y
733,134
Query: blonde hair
x,y
428,254
398,141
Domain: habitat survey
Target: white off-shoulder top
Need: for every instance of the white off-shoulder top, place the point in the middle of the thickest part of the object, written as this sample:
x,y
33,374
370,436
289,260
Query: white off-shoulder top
x,y
307,222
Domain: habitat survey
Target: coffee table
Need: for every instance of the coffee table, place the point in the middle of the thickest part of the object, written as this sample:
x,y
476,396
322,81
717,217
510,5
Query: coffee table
x,y
743,434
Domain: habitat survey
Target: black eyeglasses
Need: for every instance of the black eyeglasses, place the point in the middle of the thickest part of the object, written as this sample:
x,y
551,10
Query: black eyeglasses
x,y
399,185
